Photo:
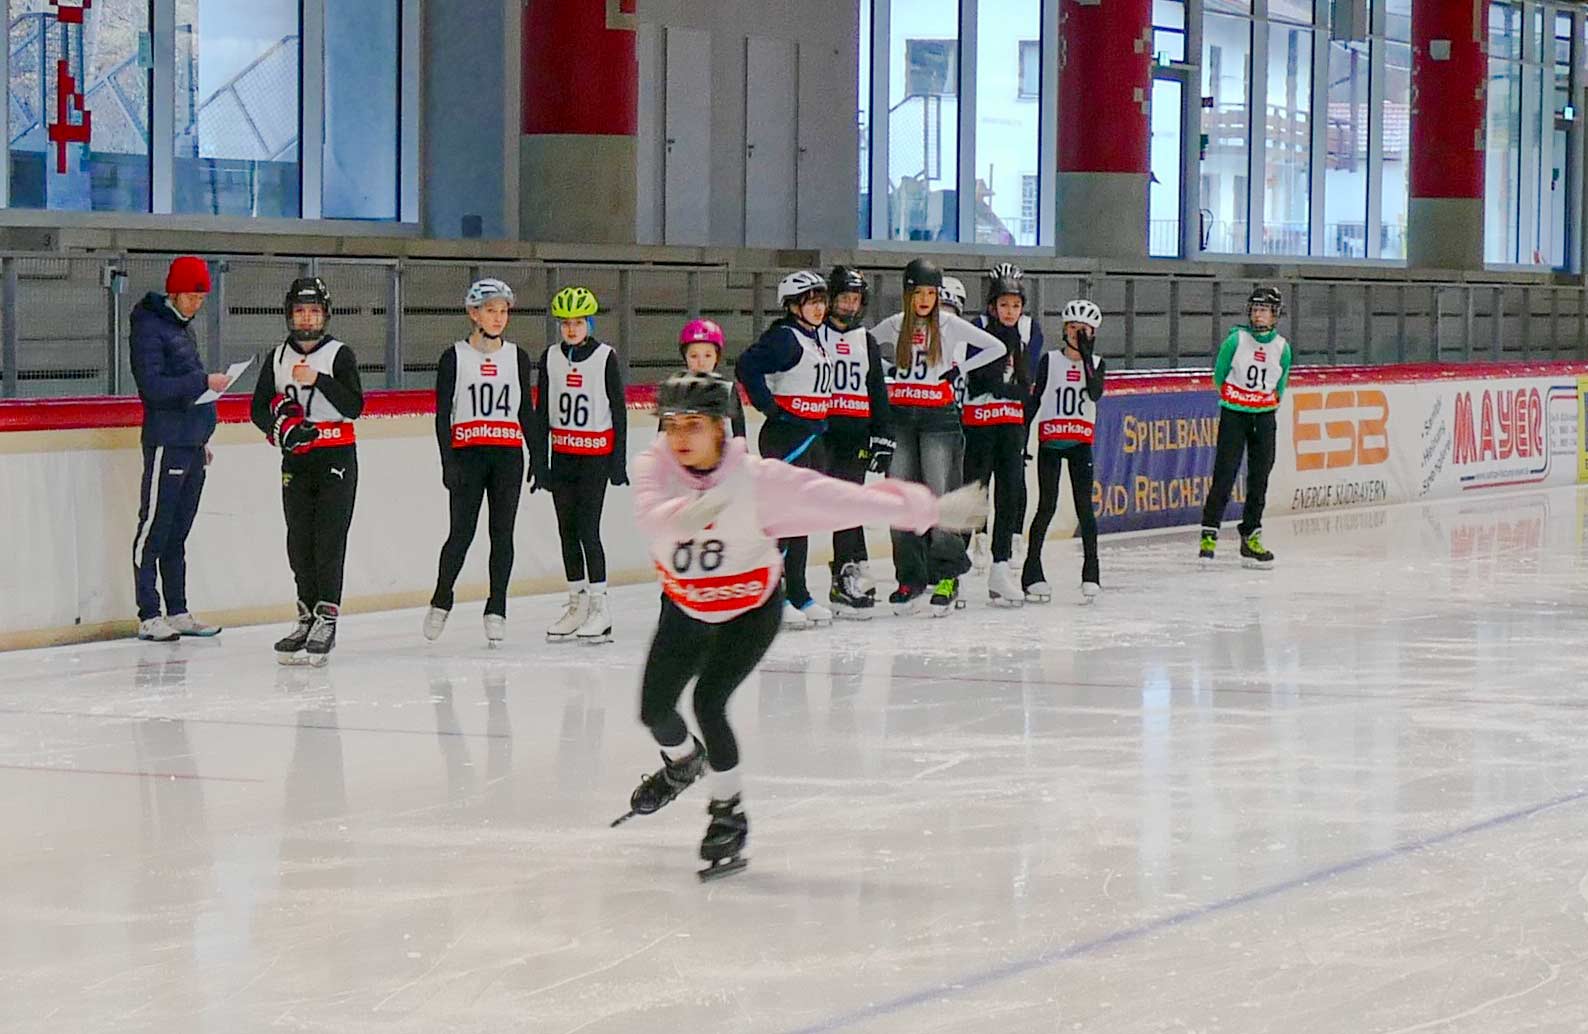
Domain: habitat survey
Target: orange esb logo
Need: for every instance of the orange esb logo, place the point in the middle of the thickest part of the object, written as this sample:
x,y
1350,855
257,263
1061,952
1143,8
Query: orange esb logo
x,y
1344,428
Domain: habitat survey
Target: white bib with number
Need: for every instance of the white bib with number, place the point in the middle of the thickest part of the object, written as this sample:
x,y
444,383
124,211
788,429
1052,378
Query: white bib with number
x,y
806,389
919,384
728,569
580,412
1255,369
1065,413
335,428
486,398
851,358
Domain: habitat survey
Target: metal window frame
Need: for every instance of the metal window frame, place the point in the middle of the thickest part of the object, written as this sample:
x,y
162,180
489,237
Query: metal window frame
x,y
1048,127
966,92
1378,43
881,31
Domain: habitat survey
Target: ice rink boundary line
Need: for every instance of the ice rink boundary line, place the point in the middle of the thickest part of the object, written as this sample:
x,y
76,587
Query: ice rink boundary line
x,y
977,981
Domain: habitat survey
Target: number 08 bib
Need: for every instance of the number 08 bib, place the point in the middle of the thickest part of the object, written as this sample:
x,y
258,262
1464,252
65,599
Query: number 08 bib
x,y
581,413
728,569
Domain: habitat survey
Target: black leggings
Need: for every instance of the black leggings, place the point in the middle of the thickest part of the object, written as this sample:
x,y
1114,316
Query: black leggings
x,y
995,454
845,463
1252,434
1081,477
317,493
723,656
579,496
491,473
779,441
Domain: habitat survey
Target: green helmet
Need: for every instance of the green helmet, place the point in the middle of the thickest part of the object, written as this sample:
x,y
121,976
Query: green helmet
x,y
572,303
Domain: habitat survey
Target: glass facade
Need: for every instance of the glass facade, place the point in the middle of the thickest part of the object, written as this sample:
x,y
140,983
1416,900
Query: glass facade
x,y
362,118
923,120
1226,131
1008,118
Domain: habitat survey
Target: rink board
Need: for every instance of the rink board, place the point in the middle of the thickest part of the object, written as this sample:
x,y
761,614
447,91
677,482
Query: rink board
x,y
1346,437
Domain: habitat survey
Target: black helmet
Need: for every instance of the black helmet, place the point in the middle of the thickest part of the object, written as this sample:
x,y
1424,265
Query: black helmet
x,y
1003,285
704,393
843,280
307,290
922,273
1265,295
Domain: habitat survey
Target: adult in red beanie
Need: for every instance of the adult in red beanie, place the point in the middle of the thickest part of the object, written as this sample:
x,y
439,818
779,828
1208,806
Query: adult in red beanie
x,y
176,432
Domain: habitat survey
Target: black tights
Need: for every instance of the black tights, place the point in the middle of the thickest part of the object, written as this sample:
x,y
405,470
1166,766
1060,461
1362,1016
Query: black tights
x,y
484,473
579,501
994,456
1081,477
723,656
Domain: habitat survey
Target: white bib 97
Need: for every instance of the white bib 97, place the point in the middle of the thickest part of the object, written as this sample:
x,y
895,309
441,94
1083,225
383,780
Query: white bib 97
x,y
728,569
335,428
486,397
577,403
1065,413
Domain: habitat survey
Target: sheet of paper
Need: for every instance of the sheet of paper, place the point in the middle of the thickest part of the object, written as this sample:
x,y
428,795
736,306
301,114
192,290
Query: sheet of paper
x,y
233,372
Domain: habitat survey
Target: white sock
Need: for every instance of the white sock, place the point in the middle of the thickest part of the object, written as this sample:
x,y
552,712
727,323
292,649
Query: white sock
x,y
724,785
575,588
598,588
680,752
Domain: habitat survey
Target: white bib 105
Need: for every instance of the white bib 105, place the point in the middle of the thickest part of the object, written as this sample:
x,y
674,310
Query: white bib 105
x,y
851,359
486,397
577,403
335,428
1065,413
728,569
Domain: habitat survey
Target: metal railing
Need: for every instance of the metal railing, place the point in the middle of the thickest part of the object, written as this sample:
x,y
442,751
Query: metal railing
x,y
64,318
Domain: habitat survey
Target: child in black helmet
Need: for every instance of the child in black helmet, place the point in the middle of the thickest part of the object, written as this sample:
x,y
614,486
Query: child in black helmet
x,y
1250,374
996,432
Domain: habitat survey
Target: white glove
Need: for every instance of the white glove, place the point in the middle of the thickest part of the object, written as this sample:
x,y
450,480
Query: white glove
x,y
964,509
701,510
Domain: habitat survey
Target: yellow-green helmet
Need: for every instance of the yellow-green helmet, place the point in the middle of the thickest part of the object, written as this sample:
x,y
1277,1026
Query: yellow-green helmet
x,y
572,303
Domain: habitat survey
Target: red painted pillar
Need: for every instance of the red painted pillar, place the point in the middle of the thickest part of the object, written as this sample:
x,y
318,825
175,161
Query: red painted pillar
x,y
1105,129
1449,107
580,112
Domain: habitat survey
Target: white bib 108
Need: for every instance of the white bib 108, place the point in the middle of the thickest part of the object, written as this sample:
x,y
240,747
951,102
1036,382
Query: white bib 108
x,y
728,569
486,397
580,412
1065,413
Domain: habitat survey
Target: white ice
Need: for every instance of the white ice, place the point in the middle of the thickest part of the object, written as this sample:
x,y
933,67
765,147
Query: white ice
x,y
1347,795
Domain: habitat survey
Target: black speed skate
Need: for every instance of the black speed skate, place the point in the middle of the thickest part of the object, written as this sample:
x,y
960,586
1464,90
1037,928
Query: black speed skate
x,y
848,596
661,787
292,644
906,598
1253,554
723,845
322,637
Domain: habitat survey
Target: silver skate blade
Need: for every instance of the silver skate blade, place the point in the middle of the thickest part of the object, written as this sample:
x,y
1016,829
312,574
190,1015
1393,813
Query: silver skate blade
x,y
622,819
290,660
717,870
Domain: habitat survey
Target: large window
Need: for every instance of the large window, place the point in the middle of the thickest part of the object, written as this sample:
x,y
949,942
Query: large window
x,y
361,109
1008,118
1226,89
84,63
1346,164
1168,30
1288,140
923,120
863,117
1559,168
1503,152
1396,146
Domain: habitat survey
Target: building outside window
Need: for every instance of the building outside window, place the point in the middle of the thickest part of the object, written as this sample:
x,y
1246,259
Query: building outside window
x,y
1008,118
1226,79
923,120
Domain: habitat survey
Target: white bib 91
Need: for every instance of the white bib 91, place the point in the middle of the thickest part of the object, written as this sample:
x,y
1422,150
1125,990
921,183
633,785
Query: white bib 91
x,y
580,412
1255,369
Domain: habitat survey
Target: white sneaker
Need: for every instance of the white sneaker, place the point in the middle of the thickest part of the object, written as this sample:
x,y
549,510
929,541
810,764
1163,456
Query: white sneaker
x,y
187,624
157,630
817,614
980,552
597,627
573,616
435,622
495,630
1090,591
793,617
1039,592
1003,588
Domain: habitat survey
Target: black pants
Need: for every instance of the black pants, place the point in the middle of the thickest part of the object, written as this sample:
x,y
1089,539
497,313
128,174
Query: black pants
x,y
484,473
1082,474
844,462
784,441
579,493
317,493
1252,434
723,656
994,455
173,480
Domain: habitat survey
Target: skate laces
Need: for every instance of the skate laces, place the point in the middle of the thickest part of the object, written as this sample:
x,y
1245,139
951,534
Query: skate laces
x,y
945,587
324,628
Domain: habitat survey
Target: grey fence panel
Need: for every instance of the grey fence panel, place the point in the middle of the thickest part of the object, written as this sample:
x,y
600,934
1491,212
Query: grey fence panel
x,y
62,327
359,305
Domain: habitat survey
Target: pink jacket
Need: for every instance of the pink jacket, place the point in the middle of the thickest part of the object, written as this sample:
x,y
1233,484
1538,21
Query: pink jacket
x,y
790,500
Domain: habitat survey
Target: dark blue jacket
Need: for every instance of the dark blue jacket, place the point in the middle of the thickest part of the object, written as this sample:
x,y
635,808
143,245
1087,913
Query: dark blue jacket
x,y
170,375
778,350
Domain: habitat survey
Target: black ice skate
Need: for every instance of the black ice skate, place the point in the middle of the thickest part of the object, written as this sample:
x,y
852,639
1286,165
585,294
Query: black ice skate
x,y
1253,554
322,637
291,645
906,599
661,787
1209,544
848,595
724,841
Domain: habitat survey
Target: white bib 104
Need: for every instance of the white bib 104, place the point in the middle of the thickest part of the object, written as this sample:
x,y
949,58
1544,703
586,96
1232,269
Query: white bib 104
x,y
580,412
486,398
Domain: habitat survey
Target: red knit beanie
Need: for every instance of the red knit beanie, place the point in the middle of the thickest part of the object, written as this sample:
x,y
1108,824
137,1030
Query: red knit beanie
x,y
188,275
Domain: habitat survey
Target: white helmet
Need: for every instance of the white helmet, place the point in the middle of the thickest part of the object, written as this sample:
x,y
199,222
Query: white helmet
x,y
953,292
482,291
1005,271
796,286
1082,310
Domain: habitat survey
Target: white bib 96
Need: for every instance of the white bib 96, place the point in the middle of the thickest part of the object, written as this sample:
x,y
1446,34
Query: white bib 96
x,y
580,412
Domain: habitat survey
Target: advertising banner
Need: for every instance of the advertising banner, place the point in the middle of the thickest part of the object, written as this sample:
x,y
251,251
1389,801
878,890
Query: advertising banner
x,y
1498,434
1155,460
1338,447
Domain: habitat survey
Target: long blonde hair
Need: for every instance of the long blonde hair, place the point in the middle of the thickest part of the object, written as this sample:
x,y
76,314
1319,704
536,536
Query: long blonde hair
x,y
904,348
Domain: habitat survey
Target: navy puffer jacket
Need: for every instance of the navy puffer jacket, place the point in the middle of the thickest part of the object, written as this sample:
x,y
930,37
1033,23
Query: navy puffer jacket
x,y
170,376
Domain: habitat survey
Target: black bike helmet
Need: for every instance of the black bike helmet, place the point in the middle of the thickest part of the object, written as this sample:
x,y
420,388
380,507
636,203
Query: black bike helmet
x,y
922,273
704,393
1265,295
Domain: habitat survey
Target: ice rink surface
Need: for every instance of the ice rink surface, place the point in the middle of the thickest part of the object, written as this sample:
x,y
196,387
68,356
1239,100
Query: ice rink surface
x,y
1347,795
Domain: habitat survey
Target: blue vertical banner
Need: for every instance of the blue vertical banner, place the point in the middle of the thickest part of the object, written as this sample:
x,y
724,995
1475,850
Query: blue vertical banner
x,y
1155,460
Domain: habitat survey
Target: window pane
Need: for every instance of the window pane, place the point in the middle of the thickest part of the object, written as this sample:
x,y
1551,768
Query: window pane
x,y
1008,118
1397,138
1228,6
1287,155
99,160
1291,11
1398,19
1561,166
1505,32
1345,174
237,107
361,134
1163,192
863,119
1168,38
1168,14
1501,161
923,120
1226,53
1537,165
